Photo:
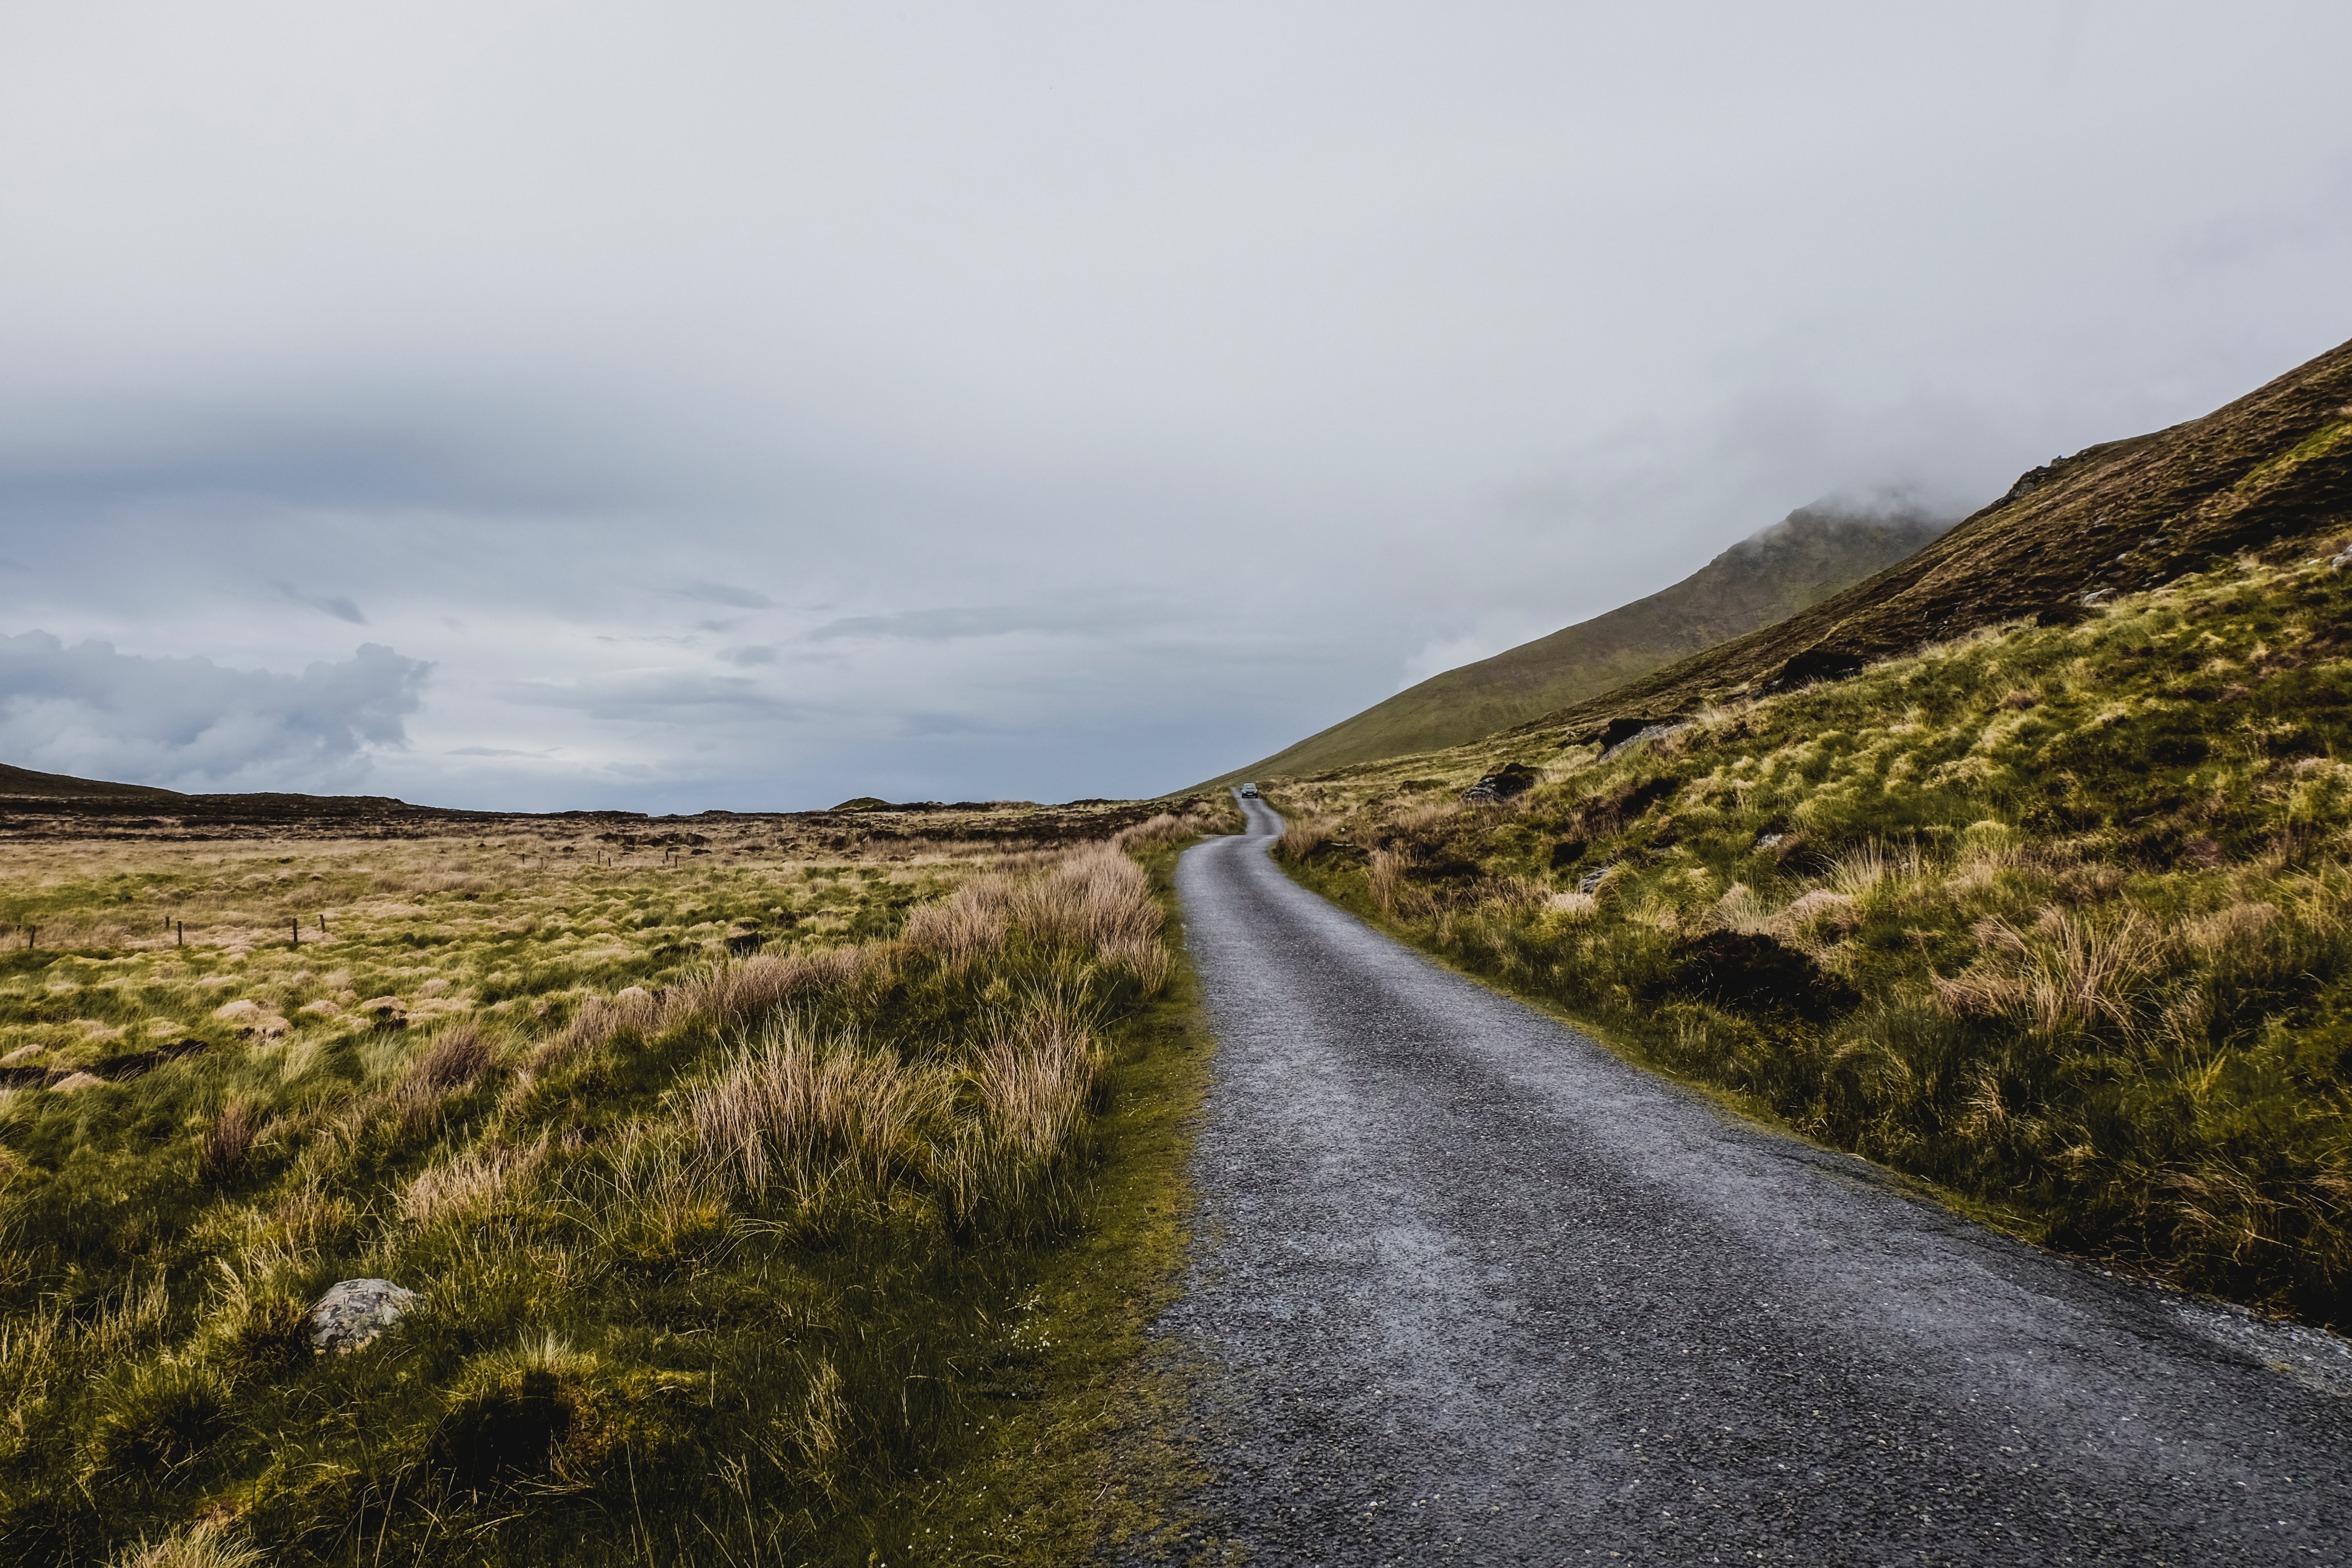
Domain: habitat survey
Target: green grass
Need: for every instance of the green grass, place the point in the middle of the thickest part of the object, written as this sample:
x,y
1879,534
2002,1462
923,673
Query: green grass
x,y
721,1259
2058,919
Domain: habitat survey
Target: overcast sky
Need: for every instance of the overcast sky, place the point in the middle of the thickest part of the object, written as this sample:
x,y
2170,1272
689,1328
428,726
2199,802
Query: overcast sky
x,y
668,407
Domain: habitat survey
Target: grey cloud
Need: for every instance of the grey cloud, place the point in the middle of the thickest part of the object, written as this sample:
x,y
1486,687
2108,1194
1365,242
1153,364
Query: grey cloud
x,y
928,724
728,594
674,696
342,609
190,723
947,625
491,752
751,655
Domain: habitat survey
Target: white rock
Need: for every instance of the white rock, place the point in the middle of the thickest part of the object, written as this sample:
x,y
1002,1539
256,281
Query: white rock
x,y
355,1311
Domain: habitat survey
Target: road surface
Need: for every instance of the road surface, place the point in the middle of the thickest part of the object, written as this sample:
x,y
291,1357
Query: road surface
x,y
1470,1289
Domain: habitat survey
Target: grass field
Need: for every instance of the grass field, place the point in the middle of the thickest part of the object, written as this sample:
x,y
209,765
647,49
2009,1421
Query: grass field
x,y
2059,918
757,1208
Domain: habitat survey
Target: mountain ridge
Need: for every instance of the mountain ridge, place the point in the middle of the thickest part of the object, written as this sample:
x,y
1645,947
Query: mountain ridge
x,y
2261,472
1796,563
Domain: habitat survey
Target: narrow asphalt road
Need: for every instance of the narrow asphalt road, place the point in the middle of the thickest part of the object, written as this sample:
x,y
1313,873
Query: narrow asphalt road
x,y
1468,1288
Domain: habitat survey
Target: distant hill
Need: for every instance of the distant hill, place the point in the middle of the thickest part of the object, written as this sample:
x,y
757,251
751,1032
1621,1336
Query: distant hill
x,y
1795,563
26,783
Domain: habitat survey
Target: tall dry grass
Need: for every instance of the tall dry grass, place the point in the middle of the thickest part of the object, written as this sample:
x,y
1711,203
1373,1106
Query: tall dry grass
x,y
797,1114
722,994
547,1146
1305,837
2070,971
789,1108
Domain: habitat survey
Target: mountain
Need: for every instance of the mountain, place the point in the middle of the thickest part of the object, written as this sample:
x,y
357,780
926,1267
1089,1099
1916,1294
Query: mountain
x,y
1766,578
2270,472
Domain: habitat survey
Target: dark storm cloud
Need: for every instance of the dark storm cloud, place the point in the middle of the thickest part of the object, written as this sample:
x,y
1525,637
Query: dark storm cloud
x,y
89,709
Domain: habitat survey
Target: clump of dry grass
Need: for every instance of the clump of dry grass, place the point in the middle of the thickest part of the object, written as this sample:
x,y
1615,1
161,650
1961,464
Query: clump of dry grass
x,y
477,1181
1814,909
221,1151
199,1546
1573,907
1162,830
1305,837
721,996
789,1108
1035,1081
457,1058
967,925
1420,821
1860,873
2068,972
1096,899
2234,926
1740,911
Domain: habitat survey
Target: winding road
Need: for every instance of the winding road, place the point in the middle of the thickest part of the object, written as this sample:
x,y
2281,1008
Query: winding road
x,y
1467,1288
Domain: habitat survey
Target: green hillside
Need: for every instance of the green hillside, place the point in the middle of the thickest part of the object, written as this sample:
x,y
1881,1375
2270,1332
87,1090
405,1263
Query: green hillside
x,y
2045,901
1797,563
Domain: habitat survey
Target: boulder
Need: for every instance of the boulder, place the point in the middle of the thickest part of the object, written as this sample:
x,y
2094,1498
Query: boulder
x,y
1625,727
1510,779
355,1311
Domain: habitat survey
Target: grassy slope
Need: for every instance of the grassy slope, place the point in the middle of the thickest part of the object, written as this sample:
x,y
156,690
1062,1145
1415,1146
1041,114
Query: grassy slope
x,y
585,1276
2056,915
1796,563
2059,919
